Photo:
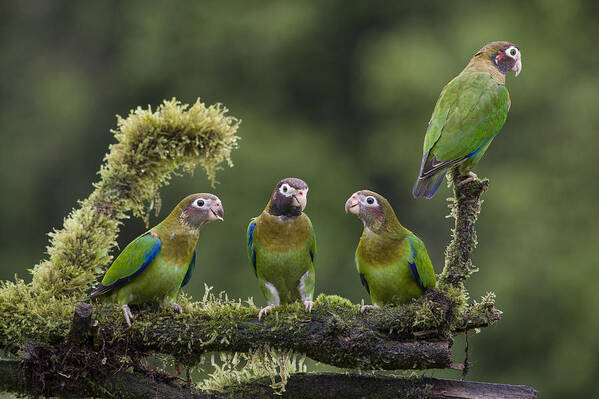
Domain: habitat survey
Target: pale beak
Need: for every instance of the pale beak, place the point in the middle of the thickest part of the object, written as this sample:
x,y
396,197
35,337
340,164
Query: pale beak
x,y
352,205
217,212
517,66
299,199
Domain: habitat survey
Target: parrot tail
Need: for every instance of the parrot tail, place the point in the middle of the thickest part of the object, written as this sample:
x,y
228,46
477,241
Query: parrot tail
x,y
425,187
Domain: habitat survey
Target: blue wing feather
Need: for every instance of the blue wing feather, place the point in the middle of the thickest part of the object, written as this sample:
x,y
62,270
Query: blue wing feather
x,y
190,268
414,268
415,274
250,242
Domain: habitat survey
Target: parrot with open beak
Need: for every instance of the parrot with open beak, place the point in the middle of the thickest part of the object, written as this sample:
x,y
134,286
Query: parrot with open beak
x,y
281,247
154,266
393,264
468,115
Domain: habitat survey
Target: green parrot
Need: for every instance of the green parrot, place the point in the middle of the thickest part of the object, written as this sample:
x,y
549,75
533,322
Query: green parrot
x,y
393,263
469,113
154,266
281,247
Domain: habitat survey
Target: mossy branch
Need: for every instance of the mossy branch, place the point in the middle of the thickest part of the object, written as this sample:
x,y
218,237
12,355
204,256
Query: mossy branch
x,y
37,323
465,208
335,333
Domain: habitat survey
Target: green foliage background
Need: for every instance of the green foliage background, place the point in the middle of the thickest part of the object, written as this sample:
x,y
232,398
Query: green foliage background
x,y
338,93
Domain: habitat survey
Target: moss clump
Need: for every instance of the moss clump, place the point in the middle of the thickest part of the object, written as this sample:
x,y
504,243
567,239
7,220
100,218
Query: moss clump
x,y
25,317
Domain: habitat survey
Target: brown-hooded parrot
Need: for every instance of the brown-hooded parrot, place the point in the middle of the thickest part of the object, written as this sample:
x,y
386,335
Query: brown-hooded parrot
x,y
393,264
154,266
281,247
469,113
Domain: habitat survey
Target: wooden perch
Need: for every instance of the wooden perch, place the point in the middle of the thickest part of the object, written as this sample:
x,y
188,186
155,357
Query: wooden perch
x,y
358,386
132,385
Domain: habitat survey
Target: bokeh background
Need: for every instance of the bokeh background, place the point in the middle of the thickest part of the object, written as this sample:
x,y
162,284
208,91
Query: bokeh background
x,y
338,93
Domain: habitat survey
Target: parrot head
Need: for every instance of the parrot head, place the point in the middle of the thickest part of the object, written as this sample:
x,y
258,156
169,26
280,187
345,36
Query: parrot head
x,y
373,210
504,56
197,209
289,197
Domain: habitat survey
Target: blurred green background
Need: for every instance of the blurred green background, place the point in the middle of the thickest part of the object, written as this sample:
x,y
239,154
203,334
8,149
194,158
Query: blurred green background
x,y
338,93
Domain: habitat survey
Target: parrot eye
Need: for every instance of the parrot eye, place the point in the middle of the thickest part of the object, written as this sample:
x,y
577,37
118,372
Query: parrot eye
x,y
284,188
200,203
512,52
370,200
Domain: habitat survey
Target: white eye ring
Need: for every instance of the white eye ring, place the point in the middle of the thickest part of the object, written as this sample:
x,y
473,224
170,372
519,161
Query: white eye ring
x,y
199,203
284,189
370,200
512,52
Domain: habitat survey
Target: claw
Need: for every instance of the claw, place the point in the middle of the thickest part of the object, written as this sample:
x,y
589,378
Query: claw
x,y
128,314
308,305
364,308
264,311
469,177
177,307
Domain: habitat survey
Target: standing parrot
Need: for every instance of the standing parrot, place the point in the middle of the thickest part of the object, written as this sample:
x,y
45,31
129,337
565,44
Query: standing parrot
x,y
393,263
469,113
154,266
281,247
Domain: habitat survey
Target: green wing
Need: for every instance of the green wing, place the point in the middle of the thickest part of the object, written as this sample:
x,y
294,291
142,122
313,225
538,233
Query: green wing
x,y
420,264
308,280
132,261
469,113
313,247
190,269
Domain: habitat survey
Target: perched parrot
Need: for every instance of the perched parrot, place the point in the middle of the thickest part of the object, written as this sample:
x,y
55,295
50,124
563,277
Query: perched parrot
x,y
281,247
154,266
469,113
393,263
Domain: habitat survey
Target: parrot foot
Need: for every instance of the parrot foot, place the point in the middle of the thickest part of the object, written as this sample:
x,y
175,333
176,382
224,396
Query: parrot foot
x,y
177,307
265,310
308,305
128,314
469,177
364,308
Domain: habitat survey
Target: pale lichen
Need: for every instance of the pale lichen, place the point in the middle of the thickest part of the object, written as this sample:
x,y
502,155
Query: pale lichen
x,y
238,368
